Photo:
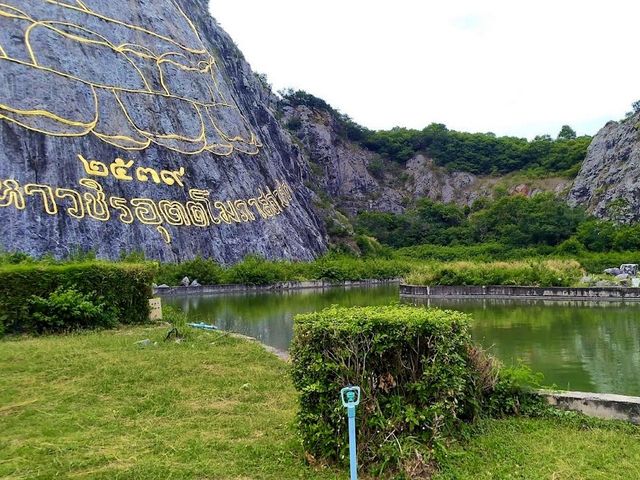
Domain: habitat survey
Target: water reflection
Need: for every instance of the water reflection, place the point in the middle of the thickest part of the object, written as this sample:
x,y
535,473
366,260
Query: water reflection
x,y
269,316
588,346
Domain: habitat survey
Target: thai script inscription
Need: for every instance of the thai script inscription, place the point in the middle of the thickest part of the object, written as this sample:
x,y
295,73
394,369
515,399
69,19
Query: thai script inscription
x,y
122,170
200,211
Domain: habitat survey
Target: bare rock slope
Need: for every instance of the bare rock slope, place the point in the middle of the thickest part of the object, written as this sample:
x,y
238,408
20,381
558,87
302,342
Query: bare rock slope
x,y
609,182
139,125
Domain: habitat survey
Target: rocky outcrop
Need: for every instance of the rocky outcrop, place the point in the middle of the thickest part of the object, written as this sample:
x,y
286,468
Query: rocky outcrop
x,y
340,167
344,171
609,182
430,181
139,125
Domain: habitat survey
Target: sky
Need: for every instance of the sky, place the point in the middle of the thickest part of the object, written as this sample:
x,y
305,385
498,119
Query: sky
x,y
518,67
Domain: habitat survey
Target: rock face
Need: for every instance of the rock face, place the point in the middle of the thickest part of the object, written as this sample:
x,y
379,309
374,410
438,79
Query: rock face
x,y
340,167
138,125
609,182
440,185
343,170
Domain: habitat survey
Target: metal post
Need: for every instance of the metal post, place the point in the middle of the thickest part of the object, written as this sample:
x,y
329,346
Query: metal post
x,y
350,400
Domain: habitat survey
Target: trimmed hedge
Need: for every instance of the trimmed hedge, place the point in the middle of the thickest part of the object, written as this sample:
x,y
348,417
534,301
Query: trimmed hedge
x,y
417,378
124,288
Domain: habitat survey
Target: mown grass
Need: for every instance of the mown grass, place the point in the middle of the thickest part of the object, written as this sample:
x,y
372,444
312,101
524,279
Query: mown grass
x,y
96,405
561,448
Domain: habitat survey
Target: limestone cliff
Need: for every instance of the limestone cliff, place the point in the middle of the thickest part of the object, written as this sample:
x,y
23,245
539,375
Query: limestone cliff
x,y
353,180
139,125
609,181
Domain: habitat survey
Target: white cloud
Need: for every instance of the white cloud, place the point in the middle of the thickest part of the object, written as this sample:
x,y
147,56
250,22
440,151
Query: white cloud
x,y
512,67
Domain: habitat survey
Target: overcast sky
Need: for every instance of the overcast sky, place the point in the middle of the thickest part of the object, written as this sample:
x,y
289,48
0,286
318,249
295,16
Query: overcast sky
x,y
516,67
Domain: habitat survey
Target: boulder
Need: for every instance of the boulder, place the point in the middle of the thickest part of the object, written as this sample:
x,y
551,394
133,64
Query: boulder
x,y
185,282
630,268
613,271
195,284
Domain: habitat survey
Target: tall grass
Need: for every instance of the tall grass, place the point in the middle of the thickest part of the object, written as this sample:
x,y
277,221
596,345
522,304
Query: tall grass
x,y
254,270
417,262
548,273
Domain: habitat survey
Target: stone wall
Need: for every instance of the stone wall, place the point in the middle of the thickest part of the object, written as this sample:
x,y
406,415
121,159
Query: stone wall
x,y
559,293
282,286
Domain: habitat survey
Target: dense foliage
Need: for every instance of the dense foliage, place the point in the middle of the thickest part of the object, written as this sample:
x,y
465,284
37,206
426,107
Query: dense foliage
x,y
518,221
420,378
40,297
255,270
479,153
66,310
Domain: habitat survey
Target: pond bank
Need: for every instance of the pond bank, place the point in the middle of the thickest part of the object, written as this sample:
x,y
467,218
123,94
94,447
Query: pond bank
x,y
276,287
599,405
604,406
533,293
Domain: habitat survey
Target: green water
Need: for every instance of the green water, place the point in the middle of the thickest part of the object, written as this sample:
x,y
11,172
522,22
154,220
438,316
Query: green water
x,y
269,316
593,347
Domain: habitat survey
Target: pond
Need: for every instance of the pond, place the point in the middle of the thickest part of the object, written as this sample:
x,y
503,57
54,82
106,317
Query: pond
x,y
585,346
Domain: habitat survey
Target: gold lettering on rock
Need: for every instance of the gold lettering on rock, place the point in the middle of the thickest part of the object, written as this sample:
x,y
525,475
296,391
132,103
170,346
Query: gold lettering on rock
x,y
11,195
196,212
46,191
120,170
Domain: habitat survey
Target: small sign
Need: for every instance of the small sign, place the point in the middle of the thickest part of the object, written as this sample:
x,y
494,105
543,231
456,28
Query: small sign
x,y
155,307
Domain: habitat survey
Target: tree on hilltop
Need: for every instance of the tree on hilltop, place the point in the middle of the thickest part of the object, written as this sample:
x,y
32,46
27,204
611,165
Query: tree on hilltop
x,y
567,133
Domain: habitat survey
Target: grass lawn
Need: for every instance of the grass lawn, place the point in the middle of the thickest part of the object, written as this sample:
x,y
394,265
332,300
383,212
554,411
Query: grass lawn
x,y
98,406
547,448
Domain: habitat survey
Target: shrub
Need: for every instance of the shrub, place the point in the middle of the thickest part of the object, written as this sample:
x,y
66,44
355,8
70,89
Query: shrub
x,y
370,247
597,235
627,238
294,124
376,168
14,258
514,393
206,271
571,246
68,309
337,268
125,288
255,270
414,370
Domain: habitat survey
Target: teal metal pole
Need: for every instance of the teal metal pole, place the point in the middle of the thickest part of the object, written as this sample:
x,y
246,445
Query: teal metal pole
x,y
350,399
